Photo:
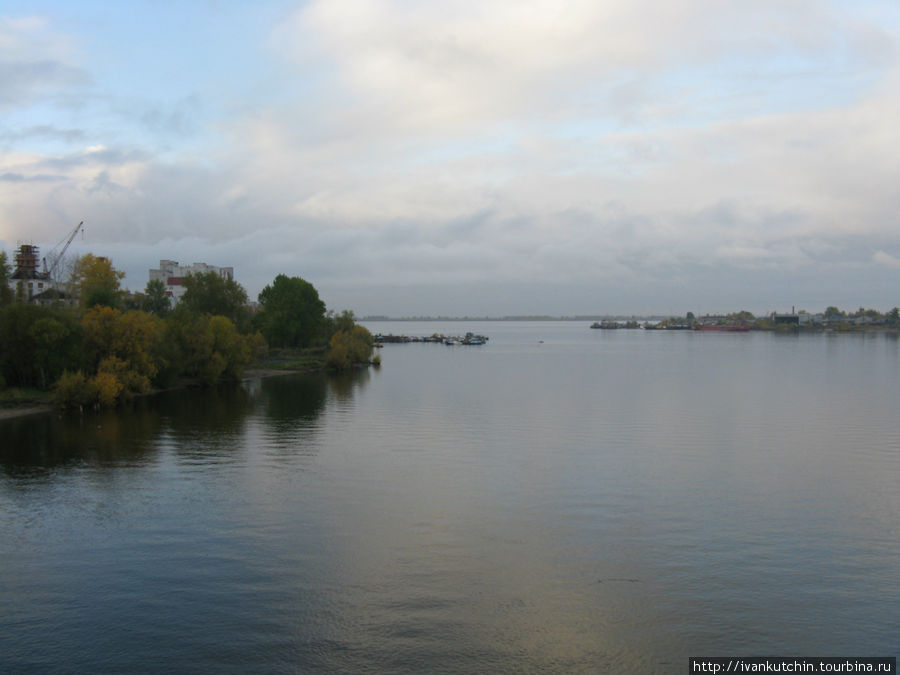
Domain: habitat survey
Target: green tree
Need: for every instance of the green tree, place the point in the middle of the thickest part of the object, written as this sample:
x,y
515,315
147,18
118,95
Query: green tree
x,y
213,348
831,310
37,344
132,301
210,293
96,281
345,321
155,300
49,336
292,313
6,293
893,316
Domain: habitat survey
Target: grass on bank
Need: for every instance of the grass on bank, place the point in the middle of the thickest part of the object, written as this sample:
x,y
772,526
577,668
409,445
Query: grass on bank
x,y
17,397
312,358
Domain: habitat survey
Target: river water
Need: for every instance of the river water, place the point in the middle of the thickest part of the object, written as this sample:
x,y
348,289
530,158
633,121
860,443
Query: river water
x,y
559,499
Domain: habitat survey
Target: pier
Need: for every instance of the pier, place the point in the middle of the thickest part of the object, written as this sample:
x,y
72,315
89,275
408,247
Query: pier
x,y
436,338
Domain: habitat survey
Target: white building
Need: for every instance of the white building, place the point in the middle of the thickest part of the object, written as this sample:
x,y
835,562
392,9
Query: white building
x,y
172,274
31,284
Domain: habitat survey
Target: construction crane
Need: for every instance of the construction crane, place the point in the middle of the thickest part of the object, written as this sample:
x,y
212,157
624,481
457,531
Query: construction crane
x,y
58,258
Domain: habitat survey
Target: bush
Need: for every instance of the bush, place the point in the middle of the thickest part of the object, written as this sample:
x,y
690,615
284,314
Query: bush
x,y
338,357
74,390
349,348
108,388
130,381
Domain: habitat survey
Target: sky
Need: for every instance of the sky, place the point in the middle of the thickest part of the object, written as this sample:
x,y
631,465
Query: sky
x,y
483,158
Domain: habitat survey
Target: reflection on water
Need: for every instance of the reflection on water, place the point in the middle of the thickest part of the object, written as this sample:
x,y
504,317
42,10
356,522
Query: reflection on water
x,y
189,420
557,500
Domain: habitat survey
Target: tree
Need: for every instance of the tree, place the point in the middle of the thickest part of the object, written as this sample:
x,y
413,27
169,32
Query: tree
x,y
96,281
292,313
123,345
6,293
350,347
209,293
345,321
37,344
213,349
833,311
155,300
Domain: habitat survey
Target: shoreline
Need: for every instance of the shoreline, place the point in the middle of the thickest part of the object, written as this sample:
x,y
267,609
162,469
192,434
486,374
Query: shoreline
x,y
42,408
25,411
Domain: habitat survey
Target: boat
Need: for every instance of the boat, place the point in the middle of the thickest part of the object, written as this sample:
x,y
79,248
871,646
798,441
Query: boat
x,y
472,339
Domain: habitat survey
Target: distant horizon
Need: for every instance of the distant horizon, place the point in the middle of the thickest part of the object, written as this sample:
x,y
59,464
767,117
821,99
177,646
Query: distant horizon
x,y
599,317
81,247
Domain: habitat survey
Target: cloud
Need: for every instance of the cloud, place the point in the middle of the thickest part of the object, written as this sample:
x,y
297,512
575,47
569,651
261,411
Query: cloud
x,y
886,259
34,62
42,132
36,178
425,67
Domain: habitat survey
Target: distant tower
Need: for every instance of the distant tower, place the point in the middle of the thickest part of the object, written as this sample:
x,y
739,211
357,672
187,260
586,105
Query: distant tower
x,y
27,262
27,281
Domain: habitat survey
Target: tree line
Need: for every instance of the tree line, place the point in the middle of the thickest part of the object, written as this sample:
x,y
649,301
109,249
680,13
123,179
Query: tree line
x,y
109,344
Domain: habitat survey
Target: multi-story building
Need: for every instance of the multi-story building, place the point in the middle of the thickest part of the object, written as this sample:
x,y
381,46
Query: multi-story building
x,y
32,283
172,274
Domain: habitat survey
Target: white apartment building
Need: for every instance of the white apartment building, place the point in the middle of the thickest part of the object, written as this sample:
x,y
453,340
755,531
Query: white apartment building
x,y
172,274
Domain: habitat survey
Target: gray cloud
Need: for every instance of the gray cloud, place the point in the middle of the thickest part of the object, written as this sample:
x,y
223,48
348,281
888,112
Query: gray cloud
x,y
36,178
43,132
23,81
177,120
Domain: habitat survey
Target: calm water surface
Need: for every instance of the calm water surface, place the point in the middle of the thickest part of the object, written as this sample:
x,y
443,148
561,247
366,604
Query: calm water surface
x,y
560,499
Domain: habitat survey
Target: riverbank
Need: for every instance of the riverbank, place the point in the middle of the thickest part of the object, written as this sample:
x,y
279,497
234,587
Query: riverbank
x,y
9,409
10,413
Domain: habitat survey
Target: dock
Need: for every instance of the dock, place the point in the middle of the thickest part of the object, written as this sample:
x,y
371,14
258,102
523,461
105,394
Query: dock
x,y
436,338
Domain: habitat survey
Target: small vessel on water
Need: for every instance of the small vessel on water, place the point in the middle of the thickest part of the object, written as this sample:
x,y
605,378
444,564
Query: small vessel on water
x,y
468,339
